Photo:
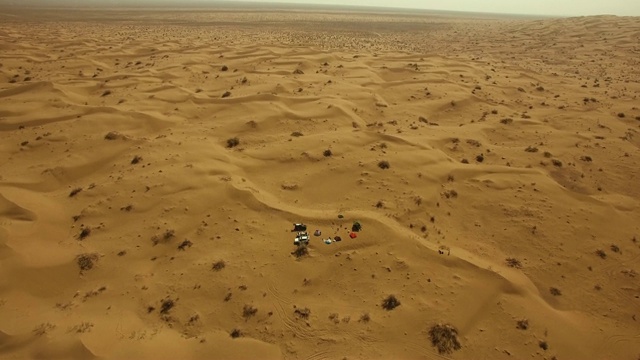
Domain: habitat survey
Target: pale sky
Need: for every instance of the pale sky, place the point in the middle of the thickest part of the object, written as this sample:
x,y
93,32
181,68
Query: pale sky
x,y
528,7
533,7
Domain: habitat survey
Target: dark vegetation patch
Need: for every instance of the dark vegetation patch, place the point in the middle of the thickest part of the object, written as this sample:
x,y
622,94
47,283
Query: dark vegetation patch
x,y
444,338
390,302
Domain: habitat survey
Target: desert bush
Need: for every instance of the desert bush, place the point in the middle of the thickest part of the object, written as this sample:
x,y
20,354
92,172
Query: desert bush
x,y
185,244
522,324
84,233
302,313
444,338
86,261
166,305
514,263
248,311
390,302
233,142
384,164
218,265
75,192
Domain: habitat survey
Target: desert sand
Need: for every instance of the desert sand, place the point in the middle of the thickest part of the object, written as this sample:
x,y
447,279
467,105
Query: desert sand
x,y
153,163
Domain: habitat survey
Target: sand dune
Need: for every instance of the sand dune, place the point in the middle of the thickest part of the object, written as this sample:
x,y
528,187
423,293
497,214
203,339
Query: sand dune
x,y
492,163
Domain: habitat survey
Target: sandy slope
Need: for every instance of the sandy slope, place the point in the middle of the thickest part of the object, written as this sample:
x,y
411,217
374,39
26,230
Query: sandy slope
x,y
431,95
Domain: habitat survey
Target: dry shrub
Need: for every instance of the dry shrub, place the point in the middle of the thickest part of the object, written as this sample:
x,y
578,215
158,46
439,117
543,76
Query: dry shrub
x,y
136,159
84,233
75,192
185,244
233,142
365,318
522,324
166,236
514,263
86,261
444,338
384,164
248,311
390,302
167,305
302,313
218,265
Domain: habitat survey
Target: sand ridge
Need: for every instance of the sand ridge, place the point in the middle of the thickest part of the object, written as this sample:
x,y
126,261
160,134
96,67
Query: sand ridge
x,y
129,228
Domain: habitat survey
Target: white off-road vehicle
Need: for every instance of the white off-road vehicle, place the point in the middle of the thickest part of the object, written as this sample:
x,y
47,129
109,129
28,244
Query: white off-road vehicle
x,y
301,239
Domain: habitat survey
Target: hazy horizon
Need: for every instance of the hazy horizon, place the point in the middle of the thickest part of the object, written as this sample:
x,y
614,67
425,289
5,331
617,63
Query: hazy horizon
x,y
540,7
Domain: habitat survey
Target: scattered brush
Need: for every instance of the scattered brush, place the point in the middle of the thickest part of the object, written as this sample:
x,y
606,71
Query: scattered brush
x,y
522,324
185,244
167,305
248,311
514,263
84,233
75,192
136,159
390,303
302,313
86,261
444,338
218,265
233,142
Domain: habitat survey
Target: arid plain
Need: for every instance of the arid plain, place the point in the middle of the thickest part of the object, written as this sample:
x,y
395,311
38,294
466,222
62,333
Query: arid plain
x,y
152,163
